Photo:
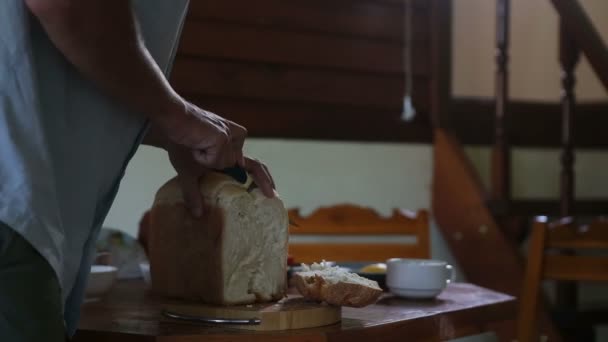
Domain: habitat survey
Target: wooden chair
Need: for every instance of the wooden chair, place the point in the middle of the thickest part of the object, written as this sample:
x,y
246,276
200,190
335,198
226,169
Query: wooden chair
x,y
552,256
330,228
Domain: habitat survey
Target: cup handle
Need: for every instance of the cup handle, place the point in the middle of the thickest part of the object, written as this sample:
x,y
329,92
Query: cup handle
x,y
450,268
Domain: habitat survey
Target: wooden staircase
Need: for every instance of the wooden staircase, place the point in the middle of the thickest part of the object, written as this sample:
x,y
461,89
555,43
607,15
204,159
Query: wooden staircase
x,y
485,227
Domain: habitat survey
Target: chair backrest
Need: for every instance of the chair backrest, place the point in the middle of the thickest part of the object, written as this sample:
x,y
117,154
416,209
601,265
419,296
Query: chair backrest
x,y
553,255
352,233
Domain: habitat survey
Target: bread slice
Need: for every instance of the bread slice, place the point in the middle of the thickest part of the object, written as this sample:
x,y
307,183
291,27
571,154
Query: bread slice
x,y
336,286
235,254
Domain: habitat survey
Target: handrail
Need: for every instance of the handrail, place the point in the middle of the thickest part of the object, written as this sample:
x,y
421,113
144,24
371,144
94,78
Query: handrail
x,y
586,36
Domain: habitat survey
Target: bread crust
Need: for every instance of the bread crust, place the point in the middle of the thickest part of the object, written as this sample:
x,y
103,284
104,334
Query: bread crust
x,y
340,294
187,274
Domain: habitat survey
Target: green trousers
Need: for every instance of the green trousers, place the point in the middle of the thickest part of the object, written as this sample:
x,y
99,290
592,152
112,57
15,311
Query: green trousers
x,y
30,296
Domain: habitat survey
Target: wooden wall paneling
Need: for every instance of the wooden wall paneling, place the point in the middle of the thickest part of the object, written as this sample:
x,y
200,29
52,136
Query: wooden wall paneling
x,y
532,123
440,85
283,64
322,122
280,83
365,19
221,40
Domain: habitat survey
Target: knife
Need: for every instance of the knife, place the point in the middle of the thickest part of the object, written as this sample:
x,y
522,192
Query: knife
x,y
211,320
238,173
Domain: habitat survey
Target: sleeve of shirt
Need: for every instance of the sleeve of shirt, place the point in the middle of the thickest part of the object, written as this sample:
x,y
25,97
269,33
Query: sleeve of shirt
x,y
161,28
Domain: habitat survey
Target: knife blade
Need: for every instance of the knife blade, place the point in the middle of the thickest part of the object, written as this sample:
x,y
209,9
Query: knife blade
x,y
211,320
238,173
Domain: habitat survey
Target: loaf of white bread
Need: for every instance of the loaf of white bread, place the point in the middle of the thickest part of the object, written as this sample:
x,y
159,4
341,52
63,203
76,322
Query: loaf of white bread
x,y
236,253
336,286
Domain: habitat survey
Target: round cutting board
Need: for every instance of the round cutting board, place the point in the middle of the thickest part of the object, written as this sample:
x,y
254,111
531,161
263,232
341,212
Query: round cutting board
x,y
293,312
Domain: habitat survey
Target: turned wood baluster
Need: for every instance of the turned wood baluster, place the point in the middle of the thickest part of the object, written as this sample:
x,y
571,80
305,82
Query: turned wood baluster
x,y
501,158
569,55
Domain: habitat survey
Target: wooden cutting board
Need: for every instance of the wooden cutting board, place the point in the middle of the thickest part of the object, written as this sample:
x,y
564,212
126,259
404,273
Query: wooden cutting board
x,y
294,312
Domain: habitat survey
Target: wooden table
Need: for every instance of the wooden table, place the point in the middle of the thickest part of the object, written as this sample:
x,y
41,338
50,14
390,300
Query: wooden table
x,y
127,313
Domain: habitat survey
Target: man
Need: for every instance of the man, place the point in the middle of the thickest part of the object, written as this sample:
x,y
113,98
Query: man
x,y
82,84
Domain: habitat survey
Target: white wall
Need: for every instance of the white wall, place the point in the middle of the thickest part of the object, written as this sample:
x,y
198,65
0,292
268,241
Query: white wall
x,y
534,66
308,174
536,172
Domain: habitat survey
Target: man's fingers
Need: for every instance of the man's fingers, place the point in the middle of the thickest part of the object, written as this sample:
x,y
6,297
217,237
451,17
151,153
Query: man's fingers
x,y
239,158
203,157
192,194
215,159
269,175
221,147
238,134
230,157
260,176
219,158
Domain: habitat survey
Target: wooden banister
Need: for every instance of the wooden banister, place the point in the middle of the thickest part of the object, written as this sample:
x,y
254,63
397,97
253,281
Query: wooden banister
x,y
501,154
585,35
569,55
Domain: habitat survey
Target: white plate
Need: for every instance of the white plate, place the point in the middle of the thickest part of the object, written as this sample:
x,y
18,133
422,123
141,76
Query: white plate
x,y
416,293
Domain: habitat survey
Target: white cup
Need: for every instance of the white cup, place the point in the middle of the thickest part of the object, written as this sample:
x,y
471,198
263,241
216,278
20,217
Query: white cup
x,y
418,278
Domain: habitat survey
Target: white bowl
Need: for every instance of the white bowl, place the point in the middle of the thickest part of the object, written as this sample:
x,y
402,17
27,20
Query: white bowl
x,y
145,271
101,279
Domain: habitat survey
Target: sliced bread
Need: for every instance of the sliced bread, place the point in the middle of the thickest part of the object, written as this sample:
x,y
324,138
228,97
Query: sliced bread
x,y
336,286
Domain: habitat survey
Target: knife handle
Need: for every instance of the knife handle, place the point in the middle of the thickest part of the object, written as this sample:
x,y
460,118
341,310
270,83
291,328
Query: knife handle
x,y
238,173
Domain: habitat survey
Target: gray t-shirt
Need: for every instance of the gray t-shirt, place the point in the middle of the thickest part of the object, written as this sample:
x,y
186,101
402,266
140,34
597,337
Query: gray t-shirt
x,y
64,145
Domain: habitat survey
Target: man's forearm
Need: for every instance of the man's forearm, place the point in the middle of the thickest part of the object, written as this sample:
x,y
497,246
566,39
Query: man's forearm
x,y
100,38
155,137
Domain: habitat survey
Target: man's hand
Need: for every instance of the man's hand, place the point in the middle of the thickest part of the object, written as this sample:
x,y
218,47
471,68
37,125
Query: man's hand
x,y
215,142
190,171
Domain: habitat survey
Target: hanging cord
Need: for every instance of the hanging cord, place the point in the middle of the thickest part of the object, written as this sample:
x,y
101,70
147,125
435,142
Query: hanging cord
x,y
408,107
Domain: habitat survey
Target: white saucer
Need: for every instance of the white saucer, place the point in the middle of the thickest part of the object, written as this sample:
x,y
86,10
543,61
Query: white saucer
x,y
416,293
